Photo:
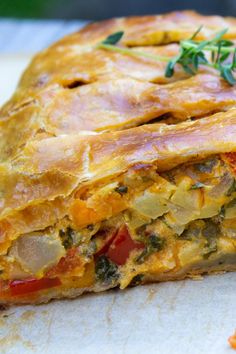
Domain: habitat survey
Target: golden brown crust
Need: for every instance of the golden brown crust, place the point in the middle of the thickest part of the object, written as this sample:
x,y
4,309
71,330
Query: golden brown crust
x,y
119,93
56,166
154,29
112,104
95,156
74,59
116,104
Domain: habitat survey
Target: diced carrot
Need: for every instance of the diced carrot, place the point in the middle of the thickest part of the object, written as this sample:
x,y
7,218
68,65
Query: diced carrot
x,y
117,203
232,340
82,215
66,264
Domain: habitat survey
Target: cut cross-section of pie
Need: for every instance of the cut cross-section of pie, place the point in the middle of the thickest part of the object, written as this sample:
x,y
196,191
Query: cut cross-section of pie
x,y
109,179
89,212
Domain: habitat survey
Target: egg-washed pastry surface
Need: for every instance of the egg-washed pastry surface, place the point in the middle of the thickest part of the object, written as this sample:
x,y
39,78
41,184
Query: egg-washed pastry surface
x,y
111,174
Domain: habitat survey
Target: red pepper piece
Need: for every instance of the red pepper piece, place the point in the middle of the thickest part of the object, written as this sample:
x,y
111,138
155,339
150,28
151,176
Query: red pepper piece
x,y
22,287
121,246
107,245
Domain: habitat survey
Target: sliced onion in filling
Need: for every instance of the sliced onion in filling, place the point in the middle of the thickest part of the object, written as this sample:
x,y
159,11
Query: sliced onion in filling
x,y
37,253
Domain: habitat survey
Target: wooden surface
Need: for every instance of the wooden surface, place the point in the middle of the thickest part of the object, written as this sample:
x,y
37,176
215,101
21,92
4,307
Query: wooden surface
x,y
30,36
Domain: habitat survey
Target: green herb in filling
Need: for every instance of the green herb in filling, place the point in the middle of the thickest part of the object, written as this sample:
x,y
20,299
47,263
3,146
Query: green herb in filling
x,y
154,243
211,232
190,233
197,185
106,271
210,247
137,280
207,229
121,189
207,166
66,237
222,212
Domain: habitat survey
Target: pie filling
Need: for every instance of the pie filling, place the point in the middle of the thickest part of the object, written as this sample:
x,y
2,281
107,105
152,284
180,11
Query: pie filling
x,y
142,225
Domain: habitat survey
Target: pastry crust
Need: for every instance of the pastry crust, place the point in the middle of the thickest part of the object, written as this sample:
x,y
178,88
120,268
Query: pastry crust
x,y
79,160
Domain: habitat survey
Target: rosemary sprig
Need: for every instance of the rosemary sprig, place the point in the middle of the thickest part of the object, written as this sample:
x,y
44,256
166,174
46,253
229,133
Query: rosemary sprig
x,y
191,54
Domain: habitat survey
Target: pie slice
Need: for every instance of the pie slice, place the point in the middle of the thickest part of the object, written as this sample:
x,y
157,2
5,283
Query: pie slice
x,y
90,212
108,179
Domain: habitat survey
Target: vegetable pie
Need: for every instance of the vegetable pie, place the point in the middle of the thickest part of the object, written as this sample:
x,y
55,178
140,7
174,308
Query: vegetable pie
x,y
112,173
